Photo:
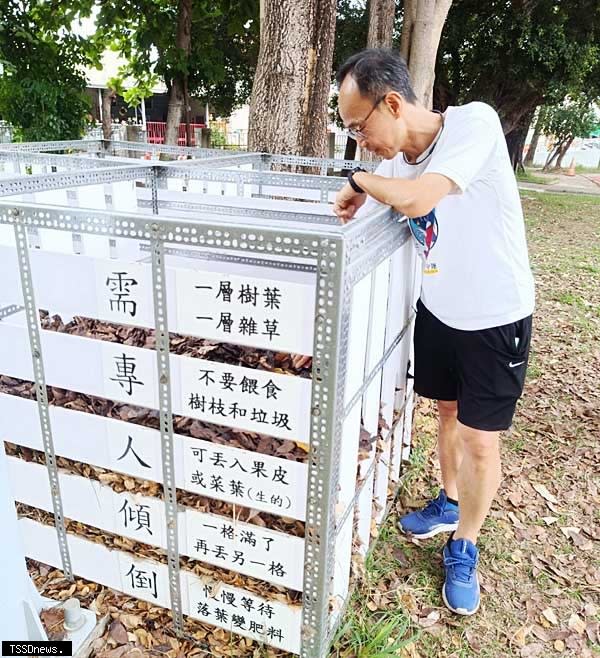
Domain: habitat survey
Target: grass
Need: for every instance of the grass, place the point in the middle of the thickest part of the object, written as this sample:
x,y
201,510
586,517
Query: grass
x,y
403,578
528,176
580,169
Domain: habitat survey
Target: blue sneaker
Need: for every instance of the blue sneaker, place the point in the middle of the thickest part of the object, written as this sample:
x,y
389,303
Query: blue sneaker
x,y
437,516
461,587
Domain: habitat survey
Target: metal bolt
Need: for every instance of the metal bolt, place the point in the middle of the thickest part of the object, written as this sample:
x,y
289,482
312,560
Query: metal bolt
x,y
316,411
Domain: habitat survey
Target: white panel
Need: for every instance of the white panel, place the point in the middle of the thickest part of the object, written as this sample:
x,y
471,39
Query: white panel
x,y
257,306
349,459
7,236
364,512
175,184
341,568
58,241
52,198
135,450
144,579
407,441
371,405
382,473
124,196
124,292
392,370
92,196
378,314
357,338
215,603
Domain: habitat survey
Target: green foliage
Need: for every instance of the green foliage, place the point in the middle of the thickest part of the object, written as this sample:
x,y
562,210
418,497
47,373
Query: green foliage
x,y
352,24
217,138
41,83
570,119
516,55
224,47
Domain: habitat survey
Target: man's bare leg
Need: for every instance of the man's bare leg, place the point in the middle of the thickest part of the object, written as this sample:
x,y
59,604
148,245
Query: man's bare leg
x,y
449,447
478,479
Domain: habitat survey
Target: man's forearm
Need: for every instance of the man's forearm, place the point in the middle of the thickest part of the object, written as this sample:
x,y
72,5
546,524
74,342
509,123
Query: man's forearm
x,y
395,192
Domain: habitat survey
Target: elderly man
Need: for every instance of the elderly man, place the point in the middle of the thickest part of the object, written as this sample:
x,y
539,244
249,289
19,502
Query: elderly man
x,y
450,174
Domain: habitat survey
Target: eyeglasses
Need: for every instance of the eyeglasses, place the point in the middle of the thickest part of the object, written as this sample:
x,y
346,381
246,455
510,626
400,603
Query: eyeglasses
x,y
359,132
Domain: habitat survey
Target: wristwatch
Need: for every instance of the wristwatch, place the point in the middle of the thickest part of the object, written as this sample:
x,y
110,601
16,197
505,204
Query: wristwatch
x,y
353,184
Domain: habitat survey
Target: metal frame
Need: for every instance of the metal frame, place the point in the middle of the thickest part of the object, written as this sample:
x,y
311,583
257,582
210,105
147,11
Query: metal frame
x,y
33,322
342,254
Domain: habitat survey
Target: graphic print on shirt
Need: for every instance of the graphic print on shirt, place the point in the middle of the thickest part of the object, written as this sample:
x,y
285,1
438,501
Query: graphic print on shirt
x,y
425,232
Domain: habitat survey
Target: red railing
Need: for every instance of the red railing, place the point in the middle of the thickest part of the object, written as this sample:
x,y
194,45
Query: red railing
x,y
156,132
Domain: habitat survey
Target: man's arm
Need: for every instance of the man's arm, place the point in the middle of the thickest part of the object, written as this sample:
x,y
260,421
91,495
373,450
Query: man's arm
x,y
414,198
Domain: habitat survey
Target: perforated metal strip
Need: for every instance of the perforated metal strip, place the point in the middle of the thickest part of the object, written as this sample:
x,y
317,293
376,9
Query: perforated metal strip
x,y
32,316
166,424
39,183
329,368
11,309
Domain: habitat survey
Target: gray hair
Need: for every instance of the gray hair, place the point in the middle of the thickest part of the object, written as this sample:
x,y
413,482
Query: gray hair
x,y
377,71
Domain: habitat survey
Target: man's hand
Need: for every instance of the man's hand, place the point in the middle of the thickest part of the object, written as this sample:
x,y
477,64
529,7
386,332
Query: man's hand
x,y
347,202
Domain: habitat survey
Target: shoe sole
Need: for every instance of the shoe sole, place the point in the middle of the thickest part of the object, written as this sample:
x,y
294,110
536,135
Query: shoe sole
x,y
459,611
443,527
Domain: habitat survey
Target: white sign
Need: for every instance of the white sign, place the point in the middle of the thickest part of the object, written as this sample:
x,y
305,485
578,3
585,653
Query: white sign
x,y
269,555
249,549
249,310
233,609
245,478
135,450
256,400
241,612
250,305
234,396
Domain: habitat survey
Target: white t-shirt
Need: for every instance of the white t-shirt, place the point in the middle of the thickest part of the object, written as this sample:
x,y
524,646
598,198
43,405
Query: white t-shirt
x,y
476,271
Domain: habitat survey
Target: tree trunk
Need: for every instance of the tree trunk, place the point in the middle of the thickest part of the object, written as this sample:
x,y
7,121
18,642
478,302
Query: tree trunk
x,y
421,32
516,127
179,81
556,149
288,105
535,138
563,152
381,23
107,98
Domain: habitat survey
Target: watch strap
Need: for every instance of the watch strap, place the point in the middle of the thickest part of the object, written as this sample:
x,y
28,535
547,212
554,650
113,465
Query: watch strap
x,y
353,184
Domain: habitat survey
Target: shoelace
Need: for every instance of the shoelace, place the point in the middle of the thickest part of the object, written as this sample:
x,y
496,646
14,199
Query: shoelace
x,y
433,508
463,567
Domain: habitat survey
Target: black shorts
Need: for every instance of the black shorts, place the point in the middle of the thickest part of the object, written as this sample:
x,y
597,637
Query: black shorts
x,y
483,370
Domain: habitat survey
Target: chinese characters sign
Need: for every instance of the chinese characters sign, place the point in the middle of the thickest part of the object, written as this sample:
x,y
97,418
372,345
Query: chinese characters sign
x,y
272,313
247,614
256,400
245,478
237,610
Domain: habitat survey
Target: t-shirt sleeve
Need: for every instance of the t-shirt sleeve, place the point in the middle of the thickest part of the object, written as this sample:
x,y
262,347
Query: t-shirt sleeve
x,y
467,146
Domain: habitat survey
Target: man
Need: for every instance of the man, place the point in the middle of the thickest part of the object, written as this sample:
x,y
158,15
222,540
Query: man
x,y
450,174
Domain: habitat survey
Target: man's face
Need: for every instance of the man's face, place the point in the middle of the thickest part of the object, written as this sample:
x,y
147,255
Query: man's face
x,y
372,119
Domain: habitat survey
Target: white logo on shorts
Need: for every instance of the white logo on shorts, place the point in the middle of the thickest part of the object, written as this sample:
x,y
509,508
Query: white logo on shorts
x,y
514,365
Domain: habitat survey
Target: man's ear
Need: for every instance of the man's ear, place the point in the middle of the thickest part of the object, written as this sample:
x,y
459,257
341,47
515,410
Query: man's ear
x,y
395,103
